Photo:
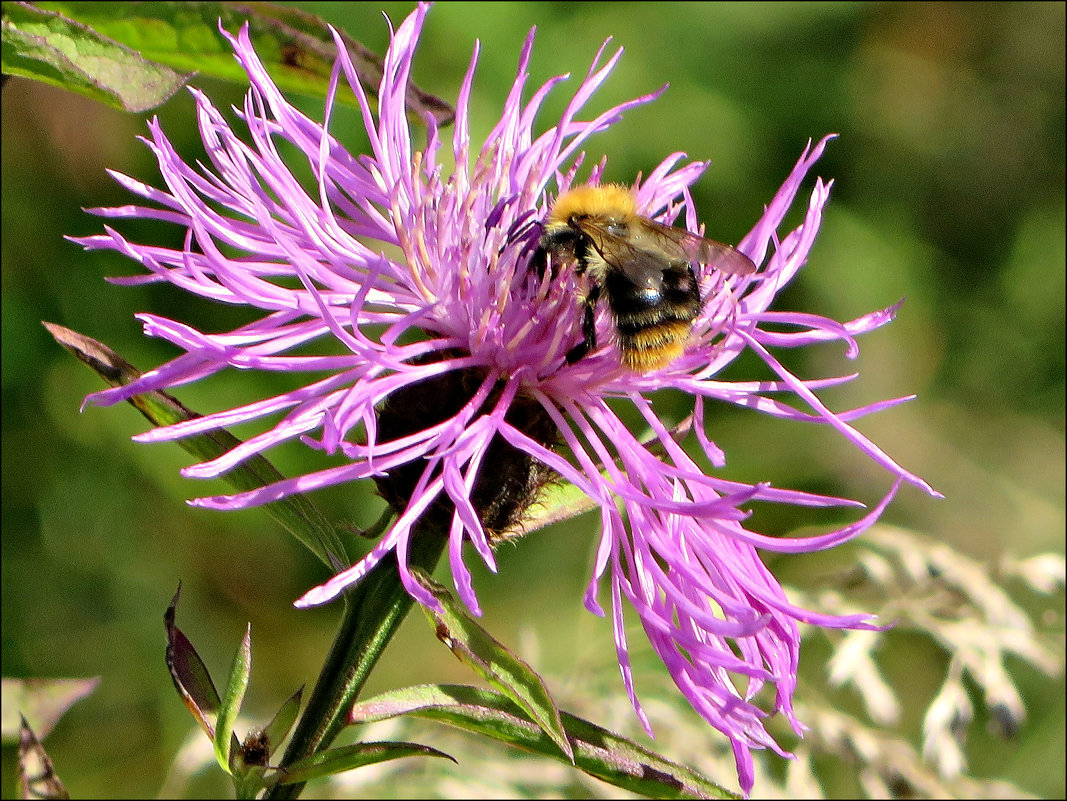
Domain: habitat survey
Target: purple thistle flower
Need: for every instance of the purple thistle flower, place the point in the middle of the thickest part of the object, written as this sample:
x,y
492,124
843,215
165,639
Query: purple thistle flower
x,y
462,304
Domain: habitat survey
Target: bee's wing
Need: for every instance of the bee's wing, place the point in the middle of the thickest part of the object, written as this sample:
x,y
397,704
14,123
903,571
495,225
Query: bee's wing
x,y
642,262
697,249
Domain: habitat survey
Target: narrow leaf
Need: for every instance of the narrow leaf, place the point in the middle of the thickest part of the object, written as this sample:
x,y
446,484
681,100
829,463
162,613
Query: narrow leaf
x,y
41,701
561,500
60,51
557,502
189,673
36,775
597,751
296,513
373,611
338,760
278,729
240,671
496,664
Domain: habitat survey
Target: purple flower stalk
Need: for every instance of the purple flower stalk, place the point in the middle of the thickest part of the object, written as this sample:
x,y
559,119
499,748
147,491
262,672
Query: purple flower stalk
x,y
461,301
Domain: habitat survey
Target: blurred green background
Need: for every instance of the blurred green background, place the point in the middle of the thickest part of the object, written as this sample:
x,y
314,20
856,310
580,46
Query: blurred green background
x,y
949,192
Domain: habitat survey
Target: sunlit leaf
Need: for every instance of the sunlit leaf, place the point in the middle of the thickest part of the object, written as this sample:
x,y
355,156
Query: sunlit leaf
x,y
561,500
338,760
240,672
278,729
597,751
557,502
60,51
295,46
493,662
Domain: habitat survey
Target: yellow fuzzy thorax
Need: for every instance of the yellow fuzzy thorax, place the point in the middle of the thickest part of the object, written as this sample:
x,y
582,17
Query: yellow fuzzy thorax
x,y
609,200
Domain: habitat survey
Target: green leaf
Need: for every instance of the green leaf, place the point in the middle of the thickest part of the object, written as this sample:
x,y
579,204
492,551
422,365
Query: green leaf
x,y
557,502
296,513
337,760
295,46
49,47
40,701
240,671
278,729
492,661
189,673
562,501
597,751
373,612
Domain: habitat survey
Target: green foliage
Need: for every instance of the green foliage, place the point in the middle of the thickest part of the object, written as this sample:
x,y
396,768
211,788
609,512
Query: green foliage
x,y
597,751
473,645
122,54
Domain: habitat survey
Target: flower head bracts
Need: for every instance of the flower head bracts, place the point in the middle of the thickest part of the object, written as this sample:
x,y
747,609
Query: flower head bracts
x,y
461,303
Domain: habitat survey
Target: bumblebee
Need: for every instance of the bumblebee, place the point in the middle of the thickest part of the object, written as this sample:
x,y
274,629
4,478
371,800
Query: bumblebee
x,y
643,268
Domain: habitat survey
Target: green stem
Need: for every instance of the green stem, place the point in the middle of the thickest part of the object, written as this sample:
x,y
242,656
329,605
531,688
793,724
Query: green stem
x,y
373,613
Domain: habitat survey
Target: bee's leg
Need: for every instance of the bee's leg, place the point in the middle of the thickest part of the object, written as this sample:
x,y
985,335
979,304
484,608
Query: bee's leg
x,y
539,261
588,327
